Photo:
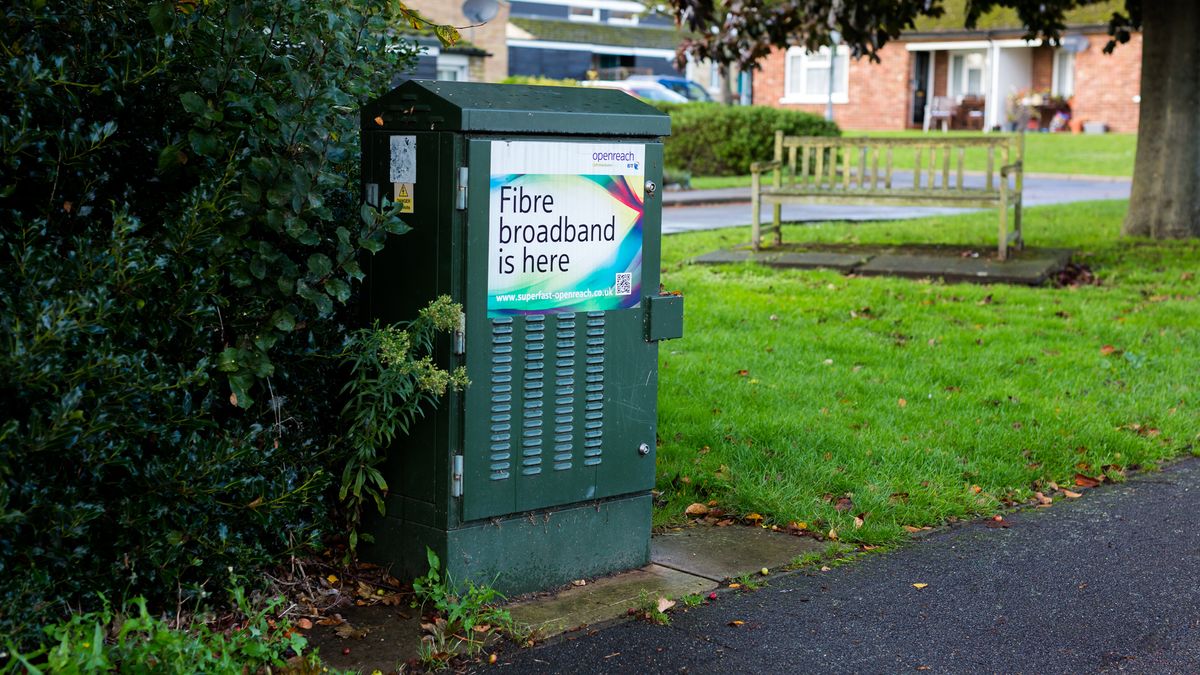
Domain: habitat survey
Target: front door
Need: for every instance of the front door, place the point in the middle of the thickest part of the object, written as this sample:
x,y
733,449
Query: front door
x,y
920,87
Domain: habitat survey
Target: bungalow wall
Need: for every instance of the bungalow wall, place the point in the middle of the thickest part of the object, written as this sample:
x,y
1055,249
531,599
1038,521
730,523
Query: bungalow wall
x,y
879,96
877,93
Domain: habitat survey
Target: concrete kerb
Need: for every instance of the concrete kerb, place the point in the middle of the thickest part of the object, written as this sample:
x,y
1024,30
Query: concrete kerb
x,y
684,561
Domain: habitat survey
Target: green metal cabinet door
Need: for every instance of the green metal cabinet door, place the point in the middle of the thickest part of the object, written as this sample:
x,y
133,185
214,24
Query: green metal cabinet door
x,y
562,404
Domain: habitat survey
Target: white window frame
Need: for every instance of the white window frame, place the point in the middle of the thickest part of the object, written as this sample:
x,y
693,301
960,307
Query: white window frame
x,y
632,20
799,57
1056,84
958,90
459,63
594,17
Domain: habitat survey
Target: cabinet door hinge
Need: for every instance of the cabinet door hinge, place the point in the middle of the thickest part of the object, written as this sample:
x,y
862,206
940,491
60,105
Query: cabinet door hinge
x,y
460,197
460,335
456,484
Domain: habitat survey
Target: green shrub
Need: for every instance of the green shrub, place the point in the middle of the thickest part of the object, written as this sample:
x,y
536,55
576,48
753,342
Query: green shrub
x,y
710,139
180,248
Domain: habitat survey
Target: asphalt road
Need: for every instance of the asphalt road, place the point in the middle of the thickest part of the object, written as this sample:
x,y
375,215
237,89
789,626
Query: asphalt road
x,y
1102,584
1037,191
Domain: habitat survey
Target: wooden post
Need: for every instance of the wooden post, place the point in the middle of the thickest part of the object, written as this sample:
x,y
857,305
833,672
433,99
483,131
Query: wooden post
x,y
1003,250
945,167
777,182
991,167
1020,187
846,168
755,205
959,179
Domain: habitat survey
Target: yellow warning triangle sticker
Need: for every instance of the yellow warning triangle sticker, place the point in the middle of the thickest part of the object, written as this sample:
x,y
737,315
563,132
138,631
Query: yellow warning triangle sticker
x,y
403,192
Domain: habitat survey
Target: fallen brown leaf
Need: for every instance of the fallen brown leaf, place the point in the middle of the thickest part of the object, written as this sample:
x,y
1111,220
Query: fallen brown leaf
x,y
843,504
919,586
392,599
1071,495
348,632
1085,481
664,604
697,510
737,622
304,624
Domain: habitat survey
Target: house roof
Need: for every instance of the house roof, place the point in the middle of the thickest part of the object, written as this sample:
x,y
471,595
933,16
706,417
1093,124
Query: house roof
x,y
597,34
1006,20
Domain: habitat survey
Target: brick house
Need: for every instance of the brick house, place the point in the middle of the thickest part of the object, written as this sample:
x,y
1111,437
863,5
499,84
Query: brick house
x,y
482,56
940,73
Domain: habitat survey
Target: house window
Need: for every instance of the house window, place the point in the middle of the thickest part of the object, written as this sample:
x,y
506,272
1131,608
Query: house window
x,y
583,14
1064,74
966,74
452,67
623,18
806,77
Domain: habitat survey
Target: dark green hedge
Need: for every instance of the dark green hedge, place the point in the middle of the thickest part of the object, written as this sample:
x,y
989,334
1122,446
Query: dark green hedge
x,y
710,139
179,251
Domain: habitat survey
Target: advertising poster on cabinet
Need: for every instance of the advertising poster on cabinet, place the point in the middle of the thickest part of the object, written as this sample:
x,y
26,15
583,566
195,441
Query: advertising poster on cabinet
x,y
565,227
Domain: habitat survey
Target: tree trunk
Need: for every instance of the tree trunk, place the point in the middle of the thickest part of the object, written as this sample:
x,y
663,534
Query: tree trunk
x,y
725,86
1165,203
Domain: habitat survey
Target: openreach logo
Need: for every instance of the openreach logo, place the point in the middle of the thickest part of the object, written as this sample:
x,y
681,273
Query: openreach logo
x,y
626,157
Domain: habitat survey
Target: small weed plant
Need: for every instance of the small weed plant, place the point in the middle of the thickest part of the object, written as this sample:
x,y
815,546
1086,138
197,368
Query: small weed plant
x,y
464,619
748,582
652,609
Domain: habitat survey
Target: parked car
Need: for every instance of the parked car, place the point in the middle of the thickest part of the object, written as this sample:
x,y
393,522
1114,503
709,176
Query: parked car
x,y
690,90
647,91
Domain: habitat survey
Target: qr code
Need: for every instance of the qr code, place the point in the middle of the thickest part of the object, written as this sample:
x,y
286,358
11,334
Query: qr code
x,y
624,284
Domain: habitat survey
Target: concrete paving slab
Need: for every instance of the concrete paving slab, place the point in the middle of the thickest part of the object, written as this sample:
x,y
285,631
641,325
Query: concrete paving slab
x,y
726,256
604,600
952,263
843,262
1030,267
719,553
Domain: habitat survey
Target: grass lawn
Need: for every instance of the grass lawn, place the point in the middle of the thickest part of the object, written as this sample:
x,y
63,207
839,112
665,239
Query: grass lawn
x,y
1085,154
922,401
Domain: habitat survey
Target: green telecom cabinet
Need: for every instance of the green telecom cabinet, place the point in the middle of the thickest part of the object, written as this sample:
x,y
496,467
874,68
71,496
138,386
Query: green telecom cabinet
x,y
538,209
